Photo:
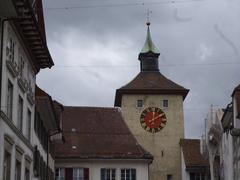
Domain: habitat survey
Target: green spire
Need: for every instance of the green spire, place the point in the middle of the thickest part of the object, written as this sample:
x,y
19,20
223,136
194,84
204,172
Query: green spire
x,y
149,45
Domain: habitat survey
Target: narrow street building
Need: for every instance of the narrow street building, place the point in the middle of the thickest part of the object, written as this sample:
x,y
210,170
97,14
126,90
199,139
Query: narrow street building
x,y
152,107
46,125
194,165
99,146
230,148
23,53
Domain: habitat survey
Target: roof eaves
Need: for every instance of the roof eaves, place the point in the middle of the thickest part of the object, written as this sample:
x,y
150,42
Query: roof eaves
x,y
31,32
121,91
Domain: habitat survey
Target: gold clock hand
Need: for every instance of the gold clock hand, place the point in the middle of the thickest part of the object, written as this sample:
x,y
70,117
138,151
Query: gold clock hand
x,y
156,117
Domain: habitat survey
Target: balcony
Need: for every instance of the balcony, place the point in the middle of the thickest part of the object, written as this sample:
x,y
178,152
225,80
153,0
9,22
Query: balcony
x,y
12,68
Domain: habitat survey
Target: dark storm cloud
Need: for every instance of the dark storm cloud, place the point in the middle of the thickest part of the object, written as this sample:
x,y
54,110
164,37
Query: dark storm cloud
x,y
95,51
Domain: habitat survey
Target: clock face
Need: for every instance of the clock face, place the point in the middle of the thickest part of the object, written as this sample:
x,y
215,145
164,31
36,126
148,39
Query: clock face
x,y
153,119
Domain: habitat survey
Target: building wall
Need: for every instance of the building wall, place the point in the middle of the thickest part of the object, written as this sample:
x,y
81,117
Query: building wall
x,y
8,126
226,155
163,145
185,174
236,141
96,165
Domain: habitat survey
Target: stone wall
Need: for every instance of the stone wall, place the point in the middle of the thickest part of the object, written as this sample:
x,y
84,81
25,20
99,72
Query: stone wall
x,y
163,145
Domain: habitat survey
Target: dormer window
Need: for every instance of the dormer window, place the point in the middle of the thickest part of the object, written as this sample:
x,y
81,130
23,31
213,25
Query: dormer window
x,y
139,103
165,103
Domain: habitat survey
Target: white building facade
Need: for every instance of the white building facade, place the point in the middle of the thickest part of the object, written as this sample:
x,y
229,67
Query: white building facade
x,y
236,133
102,169
230,144
23,54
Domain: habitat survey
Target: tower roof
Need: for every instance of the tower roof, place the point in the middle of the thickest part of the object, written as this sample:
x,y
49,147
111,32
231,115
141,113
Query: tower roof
x,y
149,80
150,83
149,45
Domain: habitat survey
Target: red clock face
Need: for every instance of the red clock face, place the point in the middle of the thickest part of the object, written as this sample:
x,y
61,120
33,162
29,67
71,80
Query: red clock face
x,y
153,119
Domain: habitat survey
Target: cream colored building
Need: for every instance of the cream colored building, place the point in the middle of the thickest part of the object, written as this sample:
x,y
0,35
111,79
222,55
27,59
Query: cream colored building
x,y
152,107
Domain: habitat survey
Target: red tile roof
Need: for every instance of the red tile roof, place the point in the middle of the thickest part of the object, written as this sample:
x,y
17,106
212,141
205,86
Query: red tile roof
x,y
150,83
191,153
97,133
39,92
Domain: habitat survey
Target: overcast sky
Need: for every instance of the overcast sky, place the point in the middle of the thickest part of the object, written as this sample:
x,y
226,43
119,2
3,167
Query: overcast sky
x,y
95,45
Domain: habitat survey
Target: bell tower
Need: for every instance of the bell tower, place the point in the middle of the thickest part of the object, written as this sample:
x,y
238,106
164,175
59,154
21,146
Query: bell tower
x,y
152,107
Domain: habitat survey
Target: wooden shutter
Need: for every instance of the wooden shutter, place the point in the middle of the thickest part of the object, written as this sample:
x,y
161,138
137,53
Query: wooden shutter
x,y
69,174
86,173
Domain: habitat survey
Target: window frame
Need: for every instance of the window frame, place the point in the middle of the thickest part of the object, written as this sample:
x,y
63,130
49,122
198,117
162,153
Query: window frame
x,y
109,174
132,171
78,173
139,103
20,113
60,174
7,165
18,167
28,124
9,104
165,103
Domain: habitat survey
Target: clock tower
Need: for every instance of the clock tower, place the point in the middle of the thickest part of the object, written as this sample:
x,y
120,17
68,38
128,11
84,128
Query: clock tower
x,y
152,107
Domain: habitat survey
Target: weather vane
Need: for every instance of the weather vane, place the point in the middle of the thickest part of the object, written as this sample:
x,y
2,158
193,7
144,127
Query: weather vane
x,y
148,17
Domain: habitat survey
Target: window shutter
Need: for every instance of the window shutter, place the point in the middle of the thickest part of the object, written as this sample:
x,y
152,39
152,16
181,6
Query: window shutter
x,y
86,174
69,174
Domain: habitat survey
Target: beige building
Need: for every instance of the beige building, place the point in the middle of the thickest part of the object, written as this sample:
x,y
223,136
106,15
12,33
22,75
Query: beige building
x,y
152,107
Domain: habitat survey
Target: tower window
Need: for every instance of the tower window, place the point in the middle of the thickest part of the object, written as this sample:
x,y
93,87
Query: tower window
x,y
165,103
169,177
139,103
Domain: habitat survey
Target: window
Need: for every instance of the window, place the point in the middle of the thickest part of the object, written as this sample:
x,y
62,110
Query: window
x,y
197,176
27,174
128,174
60,174
20,113
7,166
18,170
165,103
28,124
139,103
9,100
21,66
108,174
169,177
78,174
